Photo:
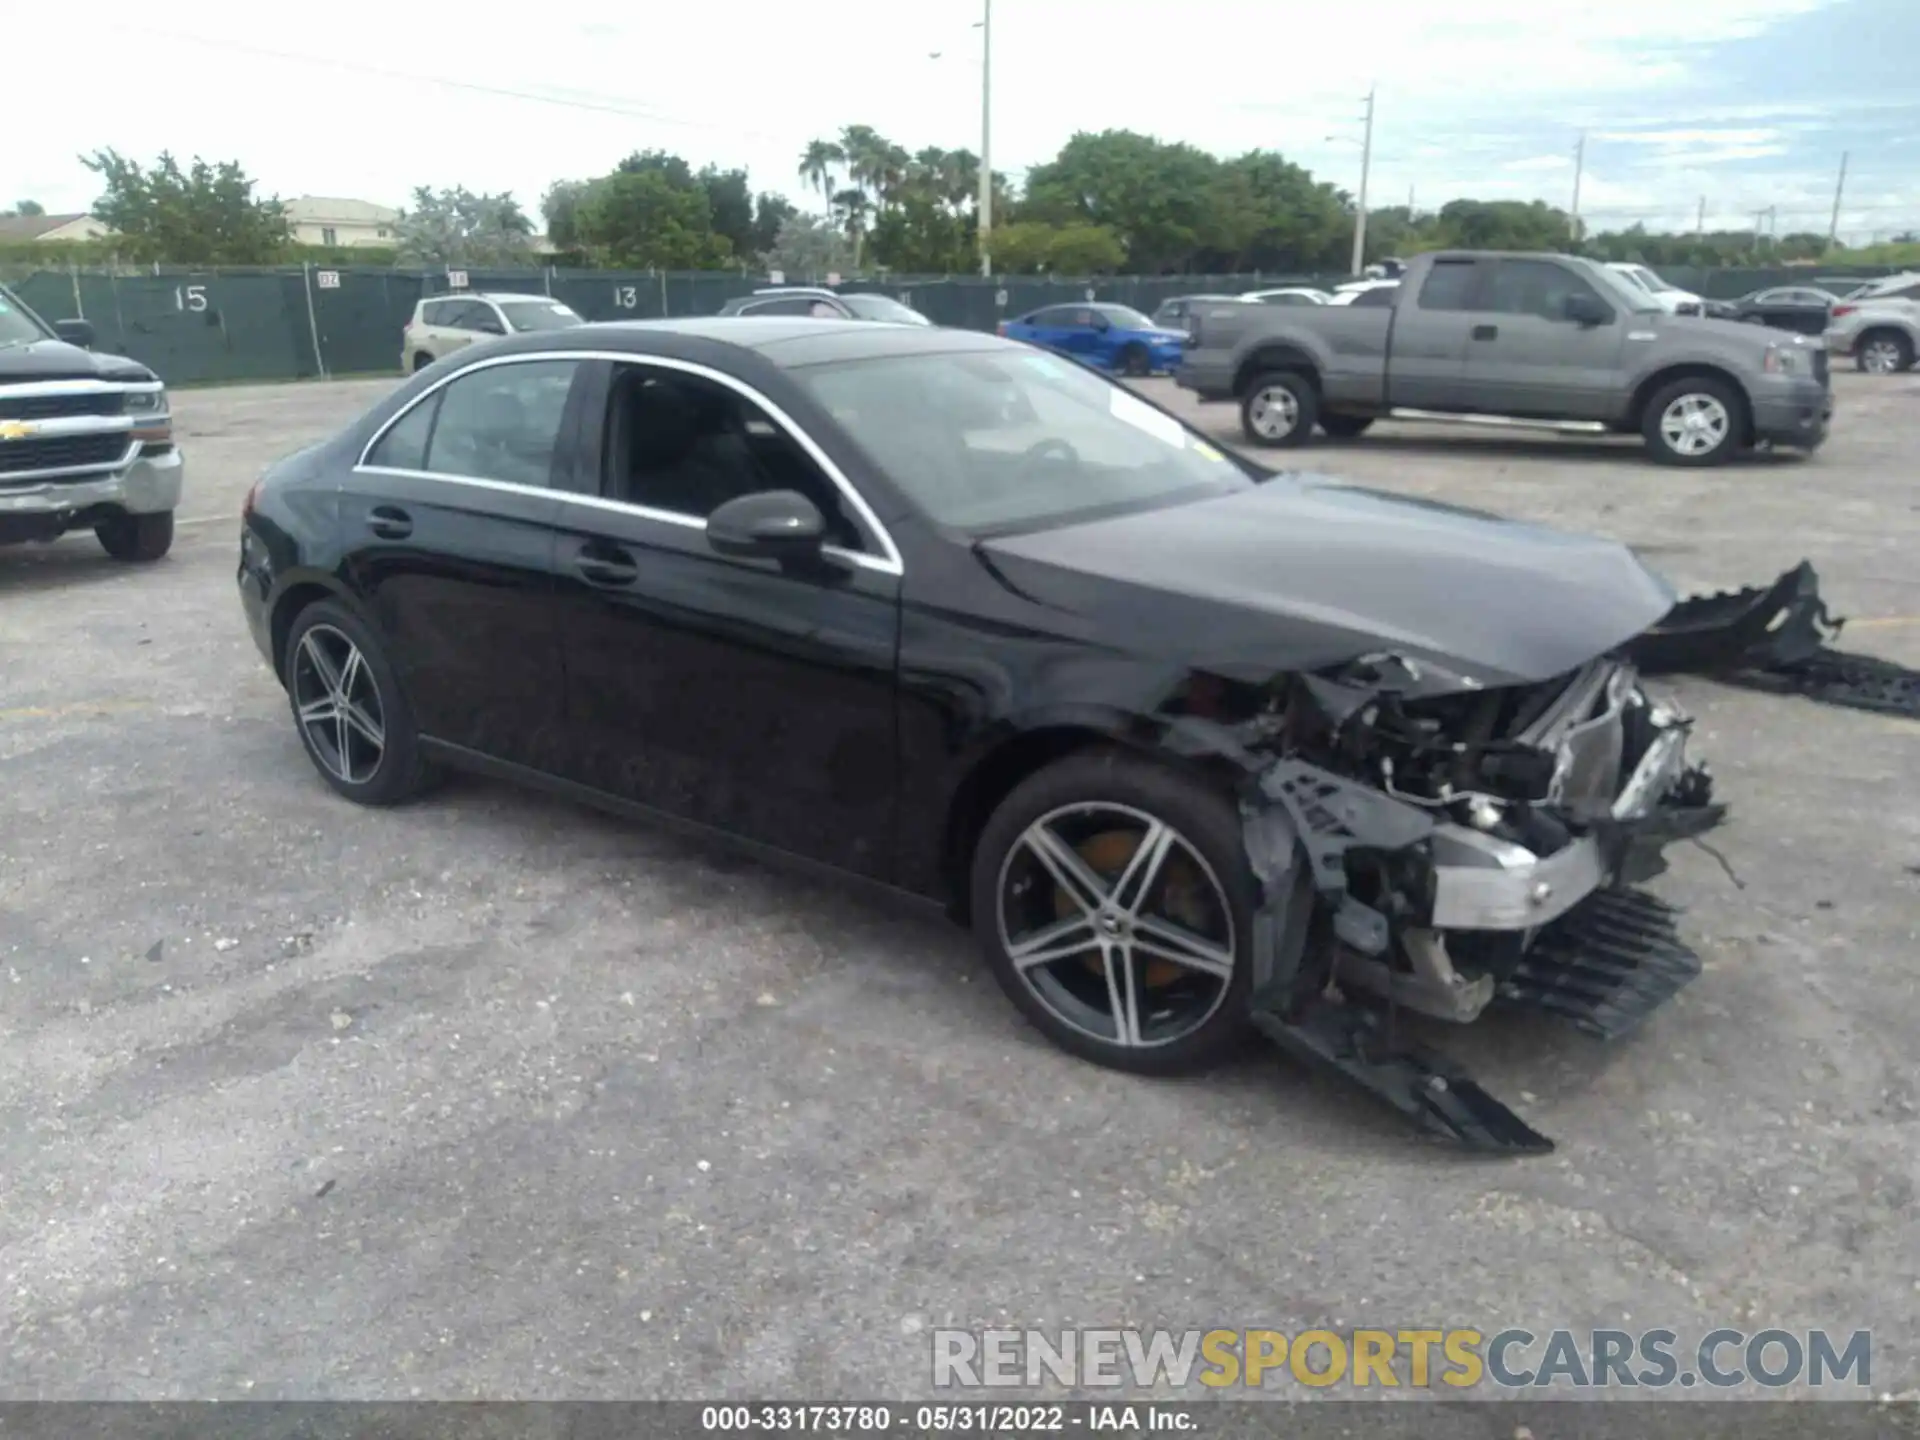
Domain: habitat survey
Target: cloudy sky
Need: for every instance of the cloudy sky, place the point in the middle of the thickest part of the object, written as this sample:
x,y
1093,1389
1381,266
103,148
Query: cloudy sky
x,y
1744,104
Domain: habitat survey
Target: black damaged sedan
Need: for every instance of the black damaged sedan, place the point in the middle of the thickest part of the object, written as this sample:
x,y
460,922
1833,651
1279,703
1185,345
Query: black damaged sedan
x,y
1193,747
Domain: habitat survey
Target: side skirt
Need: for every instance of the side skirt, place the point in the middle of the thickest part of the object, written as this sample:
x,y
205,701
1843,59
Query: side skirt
x,y
458,757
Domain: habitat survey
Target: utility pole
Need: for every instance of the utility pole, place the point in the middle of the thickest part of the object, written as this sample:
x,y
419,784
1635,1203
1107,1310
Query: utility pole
x,y
1411,212
1700,220
1579,169
1360,213
1833,225
986,135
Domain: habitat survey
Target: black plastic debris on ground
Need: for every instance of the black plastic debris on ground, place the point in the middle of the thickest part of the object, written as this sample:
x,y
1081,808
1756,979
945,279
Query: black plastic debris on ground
x,y
1778,639
1605,965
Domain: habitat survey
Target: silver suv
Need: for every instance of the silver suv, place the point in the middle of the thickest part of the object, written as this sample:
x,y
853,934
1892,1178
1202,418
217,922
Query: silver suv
x,y
1879,325
823,304
447,323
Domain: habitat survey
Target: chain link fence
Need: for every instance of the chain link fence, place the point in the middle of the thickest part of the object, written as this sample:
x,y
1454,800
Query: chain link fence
x,y
200,326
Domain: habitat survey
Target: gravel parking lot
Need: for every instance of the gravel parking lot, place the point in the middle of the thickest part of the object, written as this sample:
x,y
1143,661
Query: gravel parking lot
x,y
495,1096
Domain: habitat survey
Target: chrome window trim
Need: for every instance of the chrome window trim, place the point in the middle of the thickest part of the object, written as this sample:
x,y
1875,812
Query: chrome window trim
x,y
888,562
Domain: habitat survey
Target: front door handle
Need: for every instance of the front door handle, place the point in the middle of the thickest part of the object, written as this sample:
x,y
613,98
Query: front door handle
x,y
1485,332
606,565
390,522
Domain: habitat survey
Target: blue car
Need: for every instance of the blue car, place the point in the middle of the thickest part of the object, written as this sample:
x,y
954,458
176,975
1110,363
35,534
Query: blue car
x,y
1113,337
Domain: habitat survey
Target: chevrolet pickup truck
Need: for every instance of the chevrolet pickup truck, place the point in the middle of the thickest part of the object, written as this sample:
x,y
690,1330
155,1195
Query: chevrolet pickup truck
x,y
1530,340
86,440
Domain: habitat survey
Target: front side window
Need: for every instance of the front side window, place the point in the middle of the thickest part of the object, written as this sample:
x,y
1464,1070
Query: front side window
x,y
687,445
998,440
500,422
1532,287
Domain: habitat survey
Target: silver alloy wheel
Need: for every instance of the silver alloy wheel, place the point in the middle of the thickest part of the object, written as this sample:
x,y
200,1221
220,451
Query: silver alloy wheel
x,y
1115,965
1880,357
1273,412
1694,424
338,704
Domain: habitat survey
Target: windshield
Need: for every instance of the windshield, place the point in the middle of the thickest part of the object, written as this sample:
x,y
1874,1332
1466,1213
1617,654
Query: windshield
x,y
879,307
539,315
988,442
1125,317
1620,289
17,325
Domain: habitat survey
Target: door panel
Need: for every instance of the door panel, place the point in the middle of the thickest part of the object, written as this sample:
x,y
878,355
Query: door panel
x,y
1522,362
450,542
459,578
729,692
1426,363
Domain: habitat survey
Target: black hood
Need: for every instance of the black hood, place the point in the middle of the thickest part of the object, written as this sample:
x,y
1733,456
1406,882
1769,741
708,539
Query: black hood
x,y
57,360
1302,572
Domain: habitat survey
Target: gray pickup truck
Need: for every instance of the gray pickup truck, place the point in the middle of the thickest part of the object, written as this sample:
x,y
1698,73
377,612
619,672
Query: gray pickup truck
x,y
1509,339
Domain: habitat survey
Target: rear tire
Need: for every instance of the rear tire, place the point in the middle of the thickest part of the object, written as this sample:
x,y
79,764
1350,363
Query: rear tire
x,y
1695,422
1883,352
1345,427
1280,408
1177,1033
374,757
136,538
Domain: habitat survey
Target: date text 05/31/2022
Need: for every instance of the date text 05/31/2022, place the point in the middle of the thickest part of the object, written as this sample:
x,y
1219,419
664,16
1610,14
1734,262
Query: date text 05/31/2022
x,y
981,1419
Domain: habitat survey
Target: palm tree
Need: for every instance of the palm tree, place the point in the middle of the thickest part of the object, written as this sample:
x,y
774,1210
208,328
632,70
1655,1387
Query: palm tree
x,y
818,162
852,207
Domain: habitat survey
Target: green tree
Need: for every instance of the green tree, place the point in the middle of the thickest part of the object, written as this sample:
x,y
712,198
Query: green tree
x,y
770,215
459,228
28,208
202,215
1160,199
808,247
559,207
1033,247
730,204
640,218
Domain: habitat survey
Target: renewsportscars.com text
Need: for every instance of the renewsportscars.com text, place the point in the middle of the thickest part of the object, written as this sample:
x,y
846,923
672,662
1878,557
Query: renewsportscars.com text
x,y
1508,1359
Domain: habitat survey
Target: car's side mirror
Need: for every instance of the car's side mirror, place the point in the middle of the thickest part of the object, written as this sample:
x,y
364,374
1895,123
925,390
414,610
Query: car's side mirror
x,y
1586,310
75,332
778,525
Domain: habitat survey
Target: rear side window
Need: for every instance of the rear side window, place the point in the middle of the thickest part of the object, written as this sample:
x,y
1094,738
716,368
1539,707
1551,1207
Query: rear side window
x,y
435,312
404,447
792,305
502,422
1448,286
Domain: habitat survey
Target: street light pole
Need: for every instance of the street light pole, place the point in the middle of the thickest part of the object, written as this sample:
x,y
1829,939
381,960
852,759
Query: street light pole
x,y
1360,211
986,135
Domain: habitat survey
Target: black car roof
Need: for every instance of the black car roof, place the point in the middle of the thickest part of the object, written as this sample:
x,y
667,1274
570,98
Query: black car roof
x,y
785,340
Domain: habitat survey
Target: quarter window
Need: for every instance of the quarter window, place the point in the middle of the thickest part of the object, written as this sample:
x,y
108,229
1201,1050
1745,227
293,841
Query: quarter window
x,y
404,446
1448,286
501,422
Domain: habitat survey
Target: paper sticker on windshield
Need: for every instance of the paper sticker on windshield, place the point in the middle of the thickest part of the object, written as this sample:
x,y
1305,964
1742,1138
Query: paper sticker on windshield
x,y
1143,416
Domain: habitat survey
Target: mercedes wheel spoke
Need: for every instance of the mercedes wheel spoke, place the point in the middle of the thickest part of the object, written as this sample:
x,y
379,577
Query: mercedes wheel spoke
x,y
323,667
1136,882
1167,941
1071,936
1069,871
369,728
1123,995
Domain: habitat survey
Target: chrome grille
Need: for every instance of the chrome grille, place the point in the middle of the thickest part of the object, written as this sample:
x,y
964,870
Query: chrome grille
x,y
61,452
60,406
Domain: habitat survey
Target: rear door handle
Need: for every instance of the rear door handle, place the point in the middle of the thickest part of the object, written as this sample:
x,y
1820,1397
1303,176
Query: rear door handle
x,y
605,565
1485,332
390,522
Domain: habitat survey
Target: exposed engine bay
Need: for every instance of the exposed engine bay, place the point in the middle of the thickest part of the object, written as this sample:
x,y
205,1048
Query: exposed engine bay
x,y
1466,846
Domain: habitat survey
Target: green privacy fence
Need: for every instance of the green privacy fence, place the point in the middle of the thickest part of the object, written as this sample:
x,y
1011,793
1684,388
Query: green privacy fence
x,y
300,322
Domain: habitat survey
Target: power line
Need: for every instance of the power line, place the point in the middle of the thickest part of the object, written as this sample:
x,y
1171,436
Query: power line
x,y
565,102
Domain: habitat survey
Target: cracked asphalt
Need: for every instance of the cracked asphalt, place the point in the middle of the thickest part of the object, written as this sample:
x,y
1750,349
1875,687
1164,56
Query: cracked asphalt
x,y
494,1096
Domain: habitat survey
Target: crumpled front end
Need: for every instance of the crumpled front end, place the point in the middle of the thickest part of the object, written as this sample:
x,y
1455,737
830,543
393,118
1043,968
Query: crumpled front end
x,y
1466,847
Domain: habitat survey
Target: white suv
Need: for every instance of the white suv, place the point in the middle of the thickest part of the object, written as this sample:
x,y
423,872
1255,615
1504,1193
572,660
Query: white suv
x,y
1670,298
447,323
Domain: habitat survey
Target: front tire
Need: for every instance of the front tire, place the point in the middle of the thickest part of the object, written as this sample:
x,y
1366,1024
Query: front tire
x,y
420,361
1114,904
1279,409
138,539
1695,422
348,708
1135,363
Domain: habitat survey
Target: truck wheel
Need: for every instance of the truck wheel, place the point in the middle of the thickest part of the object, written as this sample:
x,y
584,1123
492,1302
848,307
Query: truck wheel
x,y
136,537
1345,427
1280,408
1695,421
1883,352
